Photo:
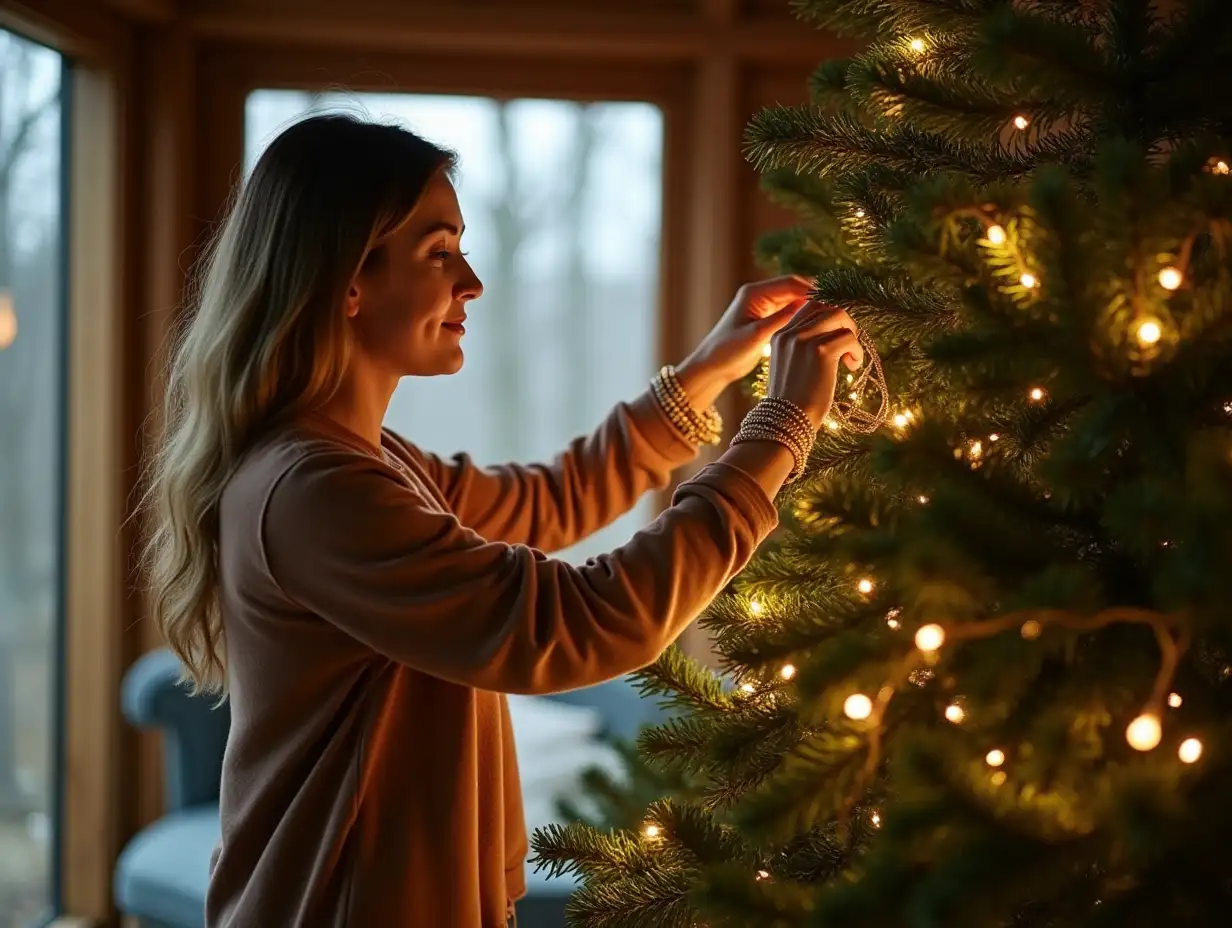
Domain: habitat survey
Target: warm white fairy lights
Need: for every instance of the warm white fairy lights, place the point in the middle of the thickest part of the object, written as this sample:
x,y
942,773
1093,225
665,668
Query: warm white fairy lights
x,y
1170,278
1189,751
1144,732
917,45
995,757
767,350
955,713
858,707
1175,700
1031,629
930,637
788,671
1036,394
754,607
865,586
748,687
1028,280
996,235
892,620
875,818
651,831
1148,331
1021,122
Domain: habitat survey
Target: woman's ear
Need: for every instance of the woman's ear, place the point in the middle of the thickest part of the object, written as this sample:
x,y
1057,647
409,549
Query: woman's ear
x,y
351,303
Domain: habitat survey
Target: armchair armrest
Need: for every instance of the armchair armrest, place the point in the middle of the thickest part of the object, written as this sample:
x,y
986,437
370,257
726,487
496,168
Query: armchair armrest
x,y
194,731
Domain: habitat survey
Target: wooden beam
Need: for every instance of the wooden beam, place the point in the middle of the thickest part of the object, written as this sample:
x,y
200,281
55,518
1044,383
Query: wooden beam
x,y
94,615
564,34
146,11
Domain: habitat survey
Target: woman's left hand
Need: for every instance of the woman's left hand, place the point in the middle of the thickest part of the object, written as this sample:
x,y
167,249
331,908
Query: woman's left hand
x,y
737,342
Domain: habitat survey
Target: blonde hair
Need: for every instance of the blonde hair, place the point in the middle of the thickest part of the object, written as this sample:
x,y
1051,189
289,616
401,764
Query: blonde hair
x,y
265,336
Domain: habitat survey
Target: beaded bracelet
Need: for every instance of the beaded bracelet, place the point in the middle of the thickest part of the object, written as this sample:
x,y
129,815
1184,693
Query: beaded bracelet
x,y
697,427
779,420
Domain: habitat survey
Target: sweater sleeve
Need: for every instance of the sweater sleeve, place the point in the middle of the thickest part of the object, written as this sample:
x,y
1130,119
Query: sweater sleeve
x,y
552,506
349,541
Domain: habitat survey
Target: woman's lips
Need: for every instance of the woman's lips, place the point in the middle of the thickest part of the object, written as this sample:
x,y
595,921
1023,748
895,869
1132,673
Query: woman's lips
x,y
458,327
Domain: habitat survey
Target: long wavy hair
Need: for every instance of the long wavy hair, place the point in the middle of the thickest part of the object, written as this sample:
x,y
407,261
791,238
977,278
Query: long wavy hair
x,y
265,335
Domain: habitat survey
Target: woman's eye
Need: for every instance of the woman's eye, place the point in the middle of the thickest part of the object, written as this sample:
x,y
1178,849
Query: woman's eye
x,y
445,254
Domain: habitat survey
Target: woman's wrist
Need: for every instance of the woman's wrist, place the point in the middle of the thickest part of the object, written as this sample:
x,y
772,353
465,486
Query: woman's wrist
x,y
702,381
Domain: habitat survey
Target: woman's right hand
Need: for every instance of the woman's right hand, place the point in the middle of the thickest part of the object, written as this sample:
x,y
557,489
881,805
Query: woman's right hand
x,y
805,355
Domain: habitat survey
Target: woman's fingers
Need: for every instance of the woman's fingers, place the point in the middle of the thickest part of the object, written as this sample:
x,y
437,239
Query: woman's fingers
x,y
774,293
842,343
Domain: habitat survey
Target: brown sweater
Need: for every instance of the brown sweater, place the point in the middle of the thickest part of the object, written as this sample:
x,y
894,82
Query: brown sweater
x,y
373,614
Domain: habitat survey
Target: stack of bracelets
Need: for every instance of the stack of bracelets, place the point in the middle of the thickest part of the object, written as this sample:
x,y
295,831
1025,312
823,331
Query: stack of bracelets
x,y
780,420
699,428
773,419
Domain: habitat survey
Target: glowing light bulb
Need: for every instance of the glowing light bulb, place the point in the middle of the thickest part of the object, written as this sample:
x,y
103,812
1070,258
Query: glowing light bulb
x,y
1170,278
891,618
766,350
1144,732
754,607
994,437
865,586
1036,394
1028,280
1021,122
875,818
917,45
976,449
1174,700
763,875
1190,750
788,671
858,706
860,214
922,499
901,420
996,235
955,713
851,377
747,687
995,757
652,831
1031,629
929,638
998,778
1149,331
832,425
1220,166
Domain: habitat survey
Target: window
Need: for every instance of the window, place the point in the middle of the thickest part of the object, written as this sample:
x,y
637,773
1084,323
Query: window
x,y
562,206
32,375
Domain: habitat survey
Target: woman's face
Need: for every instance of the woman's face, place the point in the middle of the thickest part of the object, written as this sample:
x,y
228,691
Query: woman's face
x,y
408,305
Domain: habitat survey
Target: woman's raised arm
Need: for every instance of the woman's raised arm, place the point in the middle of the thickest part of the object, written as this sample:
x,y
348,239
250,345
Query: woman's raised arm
x,y
348,541
552,506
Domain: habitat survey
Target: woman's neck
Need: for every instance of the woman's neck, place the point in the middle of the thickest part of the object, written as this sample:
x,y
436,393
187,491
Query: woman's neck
x,y
360,405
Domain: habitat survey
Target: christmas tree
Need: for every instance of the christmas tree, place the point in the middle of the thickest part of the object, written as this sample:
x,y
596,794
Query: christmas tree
x,y
981,676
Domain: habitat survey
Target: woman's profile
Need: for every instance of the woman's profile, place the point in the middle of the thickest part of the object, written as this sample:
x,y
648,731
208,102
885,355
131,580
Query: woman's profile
x,y
364,604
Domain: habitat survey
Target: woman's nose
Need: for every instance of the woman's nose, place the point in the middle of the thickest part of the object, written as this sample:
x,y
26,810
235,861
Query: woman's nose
x,y
470,287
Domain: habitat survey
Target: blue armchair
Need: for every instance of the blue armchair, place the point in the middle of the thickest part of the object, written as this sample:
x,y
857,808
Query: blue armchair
x,y
161,875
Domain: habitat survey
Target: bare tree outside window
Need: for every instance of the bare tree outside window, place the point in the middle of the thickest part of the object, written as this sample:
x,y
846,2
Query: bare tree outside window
x,y
31,380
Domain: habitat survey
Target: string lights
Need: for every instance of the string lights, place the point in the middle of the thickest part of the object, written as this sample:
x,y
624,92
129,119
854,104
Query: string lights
x,y
1021,122
857,706
995,757
1190,750
1170,278
1148,331
1144,732
955,713
929,638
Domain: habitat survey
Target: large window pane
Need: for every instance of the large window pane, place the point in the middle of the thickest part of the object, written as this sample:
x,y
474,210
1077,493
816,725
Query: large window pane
x,y
31,393
562,207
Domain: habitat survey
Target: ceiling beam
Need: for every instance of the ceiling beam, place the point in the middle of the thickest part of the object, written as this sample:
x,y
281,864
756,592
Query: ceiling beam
x,y
146,11
561,34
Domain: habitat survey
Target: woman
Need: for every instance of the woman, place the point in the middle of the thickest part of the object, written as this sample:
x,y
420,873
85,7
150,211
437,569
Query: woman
x,y
364,603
